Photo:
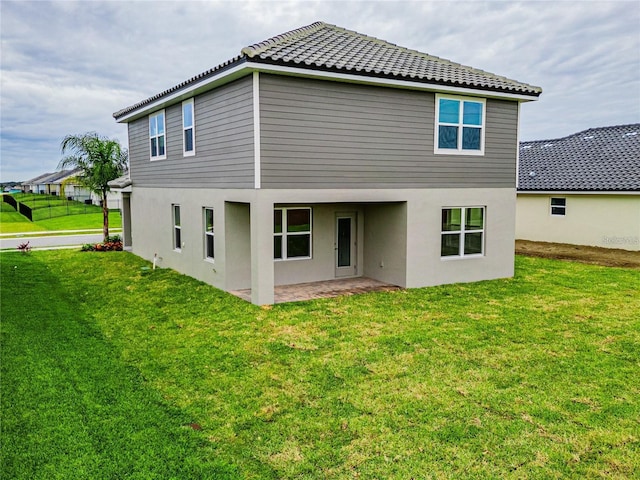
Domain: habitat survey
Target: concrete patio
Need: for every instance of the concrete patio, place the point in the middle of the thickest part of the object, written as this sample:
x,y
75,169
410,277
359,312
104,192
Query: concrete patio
x,y
325,289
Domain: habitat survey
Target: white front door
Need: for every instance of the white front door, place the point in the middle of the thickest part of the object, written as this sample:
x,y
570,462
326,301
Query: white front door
x,y
345,246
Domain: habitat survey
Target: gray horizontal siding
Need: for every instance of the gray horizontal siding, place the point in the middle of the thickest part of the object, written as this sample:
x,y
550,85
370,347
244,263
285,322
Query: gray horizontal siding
x,y
224,143
320,134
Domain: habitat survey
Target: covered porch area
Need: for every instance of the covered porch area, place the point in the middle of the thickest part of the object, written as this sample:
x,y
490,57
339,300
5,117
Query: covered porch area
x,y
282,251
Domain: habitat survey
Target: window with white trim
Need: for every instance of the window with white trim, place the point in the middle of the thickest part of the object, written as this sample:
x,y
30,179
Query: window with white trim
x,y
558,206
177,229
459,125
188,128
157,136
291,233
208,234
462,232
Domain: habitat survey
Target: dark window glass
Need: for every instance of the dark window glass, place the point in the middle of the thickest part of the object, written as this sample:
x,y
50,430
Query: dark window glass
x,y
299,220
472,243
344,242
470,138
209,242
176,215
450,244
451,219
447,137
474,220
277,247
298,246
178,237
277,221
188,140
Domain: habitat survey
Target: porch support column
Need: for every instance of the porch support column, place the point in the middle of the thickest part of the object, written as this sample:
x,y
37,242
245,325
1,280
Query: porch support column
x,y
262,276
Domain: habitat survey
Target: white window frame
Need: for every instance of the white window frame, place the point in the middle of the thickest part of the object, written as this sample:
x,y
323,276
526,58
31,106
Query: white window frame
x,y
463,231
152,117
284,234
562,208
459,150
177,227
208,233
185,152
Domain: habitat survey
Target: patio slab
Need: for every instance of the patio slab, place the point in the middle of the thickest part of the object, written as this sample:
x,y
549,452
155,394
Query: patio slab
x,y
325,289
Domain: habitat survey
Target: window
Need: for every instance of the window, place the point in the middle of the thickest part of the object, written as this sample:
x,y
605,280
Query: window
x,y
208,234
462,232
188,132
291,233
156,136
177,231
459,125
558,206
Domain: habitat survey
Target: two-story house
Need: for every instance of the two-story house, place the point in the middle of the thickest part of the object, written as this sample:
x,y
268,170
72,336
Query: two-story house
x,y
323,153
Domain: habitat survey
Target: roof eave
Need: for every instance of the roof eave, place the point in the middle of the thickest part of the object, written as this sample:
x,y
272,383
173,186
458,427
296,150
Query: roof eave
x,y
569,191
432,84
225,73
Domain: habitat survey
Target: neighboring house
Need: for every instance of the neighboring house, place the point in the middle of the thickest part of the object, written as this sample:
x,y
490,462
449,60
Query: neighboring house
x,y
324,153
33,185
63,183
583,189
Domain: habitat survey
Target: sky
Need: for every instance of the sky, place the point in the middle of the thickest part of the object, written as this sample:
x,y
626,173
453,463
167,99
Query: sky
x,y
66,66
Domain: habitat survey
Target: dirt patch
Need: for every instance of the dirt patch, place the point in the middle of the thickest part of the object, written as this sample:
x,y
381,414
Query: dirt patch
x,y
609,257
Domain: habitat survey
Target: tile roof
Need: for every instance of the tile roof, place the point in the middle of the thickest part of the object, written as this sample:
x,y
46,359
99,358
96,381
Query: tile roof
x,y
326,47
599,159
37,179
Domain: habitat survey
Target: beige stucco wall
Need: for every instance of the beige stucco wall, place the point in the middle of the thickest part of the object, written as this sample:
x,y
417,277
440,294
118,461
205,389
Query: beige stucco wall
x,y
398,235
610,221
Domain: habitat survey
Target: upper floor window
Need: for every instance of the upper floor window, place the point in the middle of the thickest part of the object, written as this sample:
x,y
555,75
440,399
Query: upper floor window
x,y
188,128
558,206
208,234
291,233
459,125
462,232
157,136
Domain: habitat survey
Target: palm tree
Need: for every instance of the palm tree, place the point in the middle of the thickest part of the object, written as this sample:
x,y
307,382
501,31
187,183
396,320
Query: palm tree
x,y
100,160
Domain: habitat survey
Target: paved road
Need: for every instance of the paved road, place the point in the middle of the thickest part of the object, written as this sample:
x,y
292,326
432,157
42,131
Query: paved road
x,y
48,242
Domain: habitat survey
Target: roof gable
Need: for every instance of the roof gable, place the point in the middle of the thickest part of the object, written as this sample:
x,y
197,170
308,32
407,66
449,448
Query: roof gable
x,y
329,48
598,159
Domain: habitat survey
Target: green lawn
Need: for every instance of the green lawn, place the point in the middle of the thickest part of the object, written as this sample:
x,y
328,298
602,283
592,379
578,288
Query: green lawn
x,y
12,222
106,364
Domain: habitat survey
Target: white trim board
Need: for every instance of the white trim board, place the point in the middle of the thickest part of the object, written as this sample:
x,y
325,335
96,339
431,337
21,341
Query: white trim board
x,y
256,130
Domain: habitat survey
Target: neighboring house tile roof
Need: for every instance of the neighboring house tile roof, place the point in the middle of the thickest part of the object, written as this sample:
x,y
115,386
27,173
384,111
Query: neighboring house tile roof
x,y
121,182
599,159
34,180
321,46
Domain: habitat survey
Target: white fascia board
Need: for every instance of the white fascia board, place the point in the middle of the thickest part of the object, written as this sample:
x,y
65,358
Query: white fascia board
x,y
245,68
225,76
386,82
581,192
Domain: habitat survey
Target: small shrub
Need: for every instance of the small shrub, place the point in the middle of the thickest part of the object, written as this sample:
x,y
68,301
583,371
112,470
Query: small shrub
x,y
112,244
24,247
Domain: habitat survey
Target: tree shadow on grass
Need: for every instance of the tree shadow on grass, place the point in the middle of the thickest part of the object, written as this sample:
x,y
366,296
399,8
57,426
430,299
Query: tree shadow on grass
x,y
71,408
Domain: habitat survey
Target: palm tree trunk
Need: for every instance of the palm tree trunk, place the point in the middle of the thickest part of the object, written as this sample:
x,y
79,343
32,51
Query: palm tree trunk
x,y
105,217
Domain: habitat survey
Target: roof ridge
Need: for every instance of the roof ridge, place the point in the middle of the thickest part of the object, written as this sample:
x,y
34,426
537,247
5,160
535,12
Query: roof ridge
x,y
581,132
257,48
